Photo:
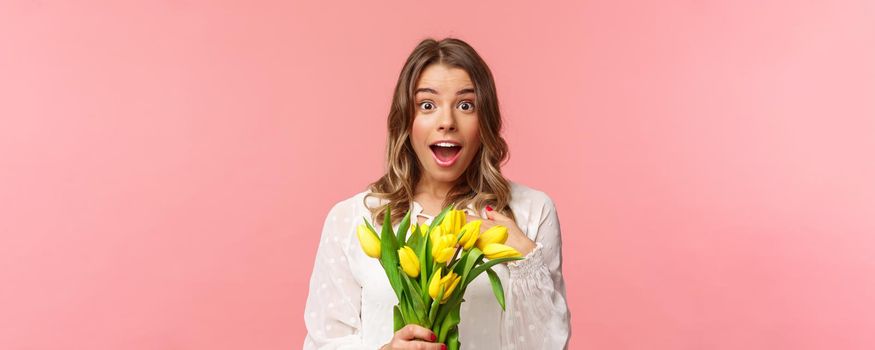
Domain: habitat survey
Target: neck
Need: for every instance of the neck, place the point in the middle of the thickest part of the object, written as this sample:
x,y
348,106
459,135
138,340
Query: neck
x,y
433,189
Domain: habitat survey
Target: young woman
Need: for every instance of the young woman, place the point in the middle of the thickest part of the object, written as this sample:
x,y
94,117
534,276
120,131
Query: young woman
x,y
443,147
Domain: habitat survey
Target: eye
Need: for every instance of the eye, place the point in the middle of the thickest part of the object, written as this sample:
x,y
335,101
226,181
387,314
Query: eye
x,y
426,105
466,106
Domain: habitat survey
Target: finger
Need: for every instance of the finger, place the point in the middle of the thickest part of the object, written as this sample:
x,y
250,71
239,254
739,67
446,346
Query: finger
x,y
485,223
413,331
493,214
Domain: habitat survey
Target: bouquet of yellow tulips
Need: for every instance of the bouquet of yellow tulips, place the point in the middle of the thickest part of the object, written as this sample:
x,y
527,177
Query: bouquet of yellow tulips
x,y
426,271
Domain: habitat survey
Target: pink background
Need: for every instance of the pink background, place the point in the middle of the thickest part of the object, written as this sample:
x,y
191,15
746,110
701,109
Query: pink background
x,y
165,167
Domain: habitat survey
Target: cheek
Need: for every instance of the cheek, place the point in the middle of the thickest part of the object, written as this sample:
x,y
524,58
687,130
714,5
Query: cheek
x,y
474,134
418,134
473,130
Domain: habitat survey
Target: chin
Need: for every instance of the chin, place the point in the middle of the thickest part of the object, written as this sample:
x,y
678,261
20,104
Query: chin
x,y
444,175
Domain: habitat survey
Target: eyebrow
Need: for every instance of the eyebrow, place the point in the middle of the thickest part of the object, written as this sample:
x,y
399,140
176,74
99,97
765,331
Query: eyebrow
x,y
430,90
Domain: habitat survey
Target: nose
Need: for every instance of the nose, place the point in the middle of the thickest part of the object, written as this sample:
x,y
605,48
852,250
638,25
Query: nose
x,y
447,120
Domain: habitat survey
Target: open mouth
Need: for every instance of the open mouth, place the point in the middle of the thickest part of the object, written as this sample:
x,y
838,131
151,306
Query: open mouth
x,y
446,156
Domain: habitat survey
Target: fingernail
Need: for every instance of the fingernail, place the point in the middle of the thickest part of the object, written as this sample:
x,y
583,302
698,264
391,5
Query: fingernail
x,y
443,347
433,337
488,208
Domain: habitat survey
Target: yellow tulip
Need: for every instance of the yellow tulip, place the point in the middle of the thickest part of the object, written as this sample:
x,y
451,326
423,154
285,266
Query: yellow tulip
x,y
498,250
434,235
409,261
423,229
495,234
453,282
453,221
434,284
470,235
369,241
443,249
444,255
448,282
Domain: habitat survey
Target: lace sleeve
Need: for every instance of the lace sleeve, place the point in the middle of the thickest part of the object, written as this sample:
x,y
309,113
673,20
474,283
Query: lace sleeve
x,y
537,315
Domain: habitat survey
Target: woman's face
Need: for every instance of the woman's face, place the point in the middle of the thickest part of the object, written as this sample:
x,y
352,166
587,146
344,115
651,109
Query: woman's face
x,y
444,101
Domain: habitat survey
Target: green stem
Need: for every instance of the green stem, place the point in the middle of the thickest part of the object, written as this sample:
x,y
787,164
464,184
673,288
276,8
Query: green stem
x,y
455,255
454,262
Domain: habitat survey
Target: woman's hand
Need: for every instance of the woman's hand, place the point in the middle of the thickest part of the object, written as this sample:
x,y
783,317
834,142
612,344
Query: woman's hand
x,y
516,239
409,337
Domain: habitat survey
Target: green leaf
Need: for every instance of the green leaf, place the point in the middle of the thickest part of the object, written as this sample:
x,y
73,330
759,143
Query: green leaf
x,y
433,312
437,219
389,254
411,315
403,306
451,322
415,239
454,263
415,228
453,339
398,319
472,257
496,287
403,226
425,268
408,282
413,294
454,302
483,267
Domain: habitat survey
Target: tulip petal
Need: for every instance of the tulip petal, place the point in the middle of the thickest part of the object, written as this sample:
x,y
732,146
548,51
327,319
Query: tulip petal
x,y
434,284
495,234
470,233
369,241
498,250
409,261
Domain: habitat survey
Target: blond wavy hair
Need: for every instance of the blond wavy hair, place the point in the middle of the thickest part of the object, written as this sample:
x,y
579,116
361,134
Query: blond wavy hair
x,y
482,183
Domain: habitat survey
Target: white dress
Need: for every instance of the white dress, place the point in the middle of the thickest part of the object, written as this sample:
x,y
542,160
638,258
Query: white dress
x,y
349,305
